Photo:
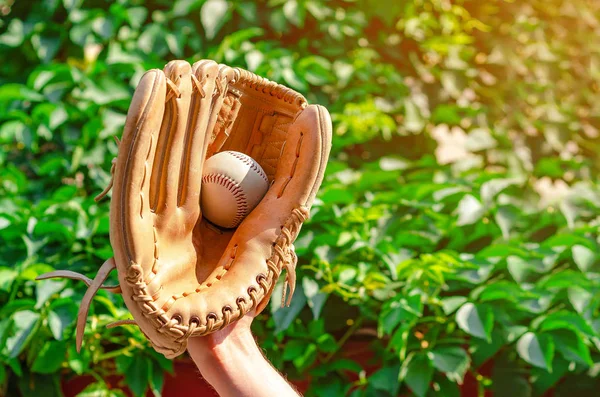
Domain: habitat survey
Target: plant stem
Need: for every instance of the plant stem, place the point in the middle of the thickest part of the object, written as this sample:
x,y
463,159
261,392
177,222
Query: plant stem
x,y
344,338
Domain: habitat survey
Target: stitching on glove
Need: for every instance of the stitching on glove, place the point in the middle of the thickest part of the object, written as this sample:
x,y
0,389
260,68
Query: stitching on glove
x,y
173,90
181,332
198,85
236,190
293,165
266,86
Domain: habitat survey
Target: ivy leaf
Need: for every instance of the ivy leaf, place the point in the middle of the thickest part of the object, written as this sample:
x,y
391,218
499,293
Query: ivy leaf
x,y
537,350
475,320
453,361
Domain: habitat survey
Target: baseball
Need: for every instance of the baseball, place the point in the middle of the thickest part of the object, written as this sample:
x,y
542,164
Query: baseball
x,y
232,185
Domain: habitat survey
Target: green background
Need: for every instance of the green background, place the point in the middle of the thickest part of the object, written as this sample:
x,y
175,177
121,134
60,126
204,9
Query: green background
x,y
456,232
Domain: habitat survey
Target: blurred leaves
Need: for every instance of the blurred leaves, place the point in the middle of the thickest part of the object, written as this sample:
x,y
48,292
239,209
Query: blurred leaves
x,y
457,225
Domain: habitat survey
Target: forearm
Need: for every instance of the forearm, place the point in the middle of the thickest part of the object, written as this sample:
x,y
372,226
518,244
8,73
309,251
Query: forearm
x,y
236,367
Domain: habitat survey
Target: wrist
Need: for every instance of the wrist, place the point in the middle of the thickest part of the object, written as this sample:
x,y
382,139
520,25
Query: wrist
x,y
216,352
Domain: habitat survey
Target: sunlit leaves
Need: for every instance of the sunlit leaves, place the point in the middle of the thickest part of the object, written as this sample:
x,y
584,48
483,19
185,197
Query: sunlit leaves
x,y
537,350
475,320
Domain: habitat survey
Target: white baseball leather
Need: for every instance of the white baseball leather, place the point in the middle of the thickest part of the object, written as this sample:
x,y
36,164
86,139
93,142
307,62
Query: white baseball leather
x,y
232,185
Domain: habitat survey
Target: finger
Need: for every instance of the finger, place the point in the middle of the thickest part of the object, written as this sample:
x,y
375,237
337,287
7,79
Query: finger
x,y
204,75
167,162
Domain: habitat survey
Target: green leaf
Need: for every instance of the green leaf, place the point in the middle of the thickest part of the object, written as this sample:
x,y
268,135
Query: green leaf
x,y
469,210
453,361
386,379
50,357
24,324
326,343
519,268
13,91
566,320
156,378
451,304
307,358
543,380
505,218
46,47
293,349
46,288
475,320
481,350
14,35
100,389
572,347
399,310
283,316
3,374
136,376
79,362
580,298
6,278
62,314
213,15
537,350
490,189
315,299
417,371
584,257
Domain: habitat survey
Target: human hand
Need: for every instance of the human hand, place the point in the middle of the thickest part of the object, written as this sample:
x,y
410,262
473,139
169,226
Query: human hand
x,y
231,361
213,346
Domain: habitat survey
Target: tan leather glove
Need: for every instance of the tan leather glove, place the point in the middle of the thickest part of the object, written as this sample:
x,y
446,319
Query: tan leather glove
x,y
180,276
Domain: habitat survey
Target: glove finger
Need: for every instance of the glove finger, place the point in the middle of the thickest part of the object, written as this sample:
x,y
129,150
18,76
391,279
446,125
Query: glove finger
x,y
130,204
204,74
287,203
226,76
175,126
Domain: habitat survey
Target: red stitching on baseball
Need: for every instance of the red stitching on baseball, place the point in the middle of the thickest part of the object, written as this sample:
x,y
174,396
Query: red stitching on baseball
x,y
236,191
249,162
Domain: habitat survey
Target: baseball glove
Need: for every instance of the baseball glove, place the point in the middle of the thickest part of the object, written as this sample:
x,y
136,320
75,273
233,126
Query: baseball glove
x,y
181,276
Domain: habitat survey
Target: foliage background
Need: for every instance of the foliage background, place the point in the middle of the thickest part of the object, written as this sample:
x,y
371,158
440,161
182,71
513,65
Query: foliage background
x,y
456,233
